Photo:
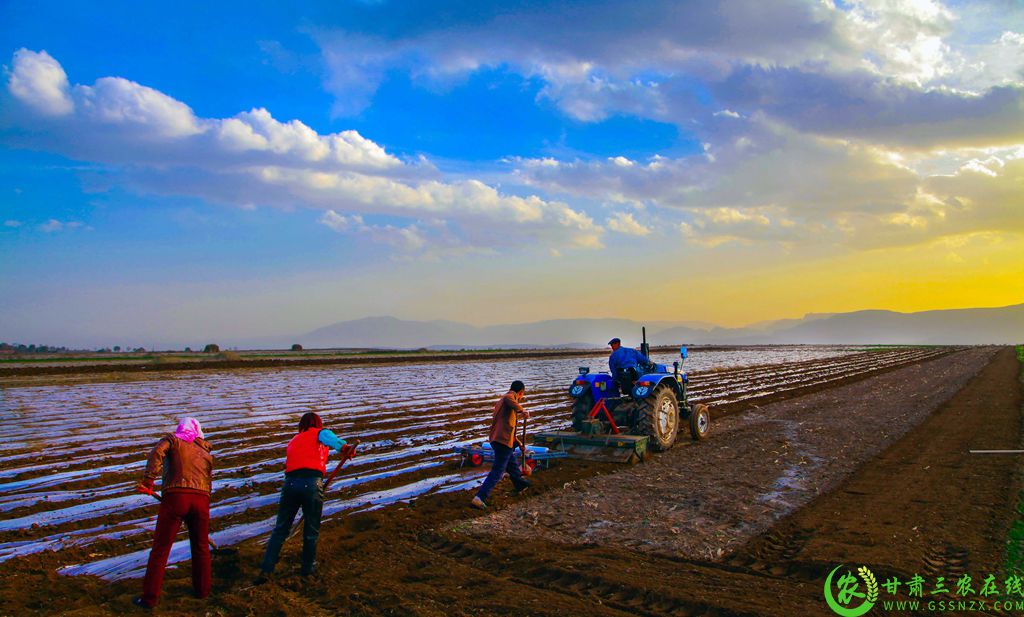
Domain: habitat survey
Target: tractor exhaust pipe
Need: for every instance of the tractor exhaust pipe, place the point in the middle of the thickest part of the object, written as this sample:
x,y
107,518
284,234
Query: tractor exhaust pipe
x,y
644,347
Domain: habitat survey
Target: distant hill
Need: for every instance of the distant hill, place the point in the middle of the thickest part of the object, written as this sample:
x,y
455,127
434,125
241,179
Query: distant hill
x,y
957,326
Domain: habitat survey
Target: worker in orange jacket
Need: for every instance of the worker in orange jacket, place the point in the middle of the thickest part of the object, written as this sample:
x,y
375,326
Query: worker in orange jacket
x,y
503,442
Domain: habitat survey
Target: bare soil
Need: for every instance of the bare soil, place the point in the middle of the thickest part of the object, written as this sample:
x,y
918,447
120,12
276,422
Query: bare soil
x,y
876,471
702,499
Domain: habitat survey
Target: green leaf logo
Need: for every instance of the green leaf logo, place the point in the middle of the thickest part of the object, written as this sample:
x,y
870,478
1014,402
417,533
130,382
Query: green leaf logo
x,y
845,602
869,580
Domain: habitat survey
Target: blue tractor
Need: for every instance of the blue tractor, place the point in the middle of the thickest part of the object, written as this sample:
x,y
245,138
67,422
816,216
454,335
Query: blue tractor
x,y
625,416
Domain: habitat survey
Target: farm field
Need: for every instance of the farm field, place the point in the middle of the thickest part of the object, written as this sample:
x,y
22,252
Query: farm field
x,y
66,488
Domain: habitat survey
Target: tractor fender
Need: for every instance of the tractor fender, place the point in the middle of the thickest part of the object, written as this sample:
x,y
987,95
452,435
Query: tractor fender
x,y
600,385
647,384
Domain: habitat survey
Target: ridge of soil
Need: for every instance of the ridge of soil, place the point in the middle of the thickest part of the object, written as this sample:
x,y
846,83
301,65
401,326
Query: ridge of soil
x,y
921,502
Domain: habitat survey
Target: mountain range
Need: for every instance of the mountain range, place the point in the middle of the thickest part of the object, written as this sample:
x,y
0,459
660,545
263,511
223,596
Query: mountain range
x,y
1002,325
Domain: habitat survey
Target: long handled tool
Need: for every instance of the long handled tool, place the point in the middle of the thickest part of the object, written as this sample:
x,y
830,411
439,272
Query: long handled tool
x,y
526,466
348,451
152,493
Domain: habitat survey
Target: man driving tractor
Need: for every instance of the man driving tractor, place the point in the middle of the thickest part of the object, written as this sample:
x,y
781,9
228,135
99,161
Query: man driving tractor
x,y
624,358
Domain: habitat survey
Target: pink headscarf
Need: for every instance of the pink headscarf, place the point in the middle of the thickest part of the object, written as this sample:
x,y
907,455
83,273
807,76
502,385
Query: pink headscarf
x,y
188,430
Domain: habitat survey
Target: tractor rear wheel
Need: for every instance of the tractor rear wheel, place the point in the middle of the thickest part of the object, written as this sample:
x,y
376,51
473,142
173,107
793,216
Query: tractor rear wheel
x,y
581,410
659,418
700,421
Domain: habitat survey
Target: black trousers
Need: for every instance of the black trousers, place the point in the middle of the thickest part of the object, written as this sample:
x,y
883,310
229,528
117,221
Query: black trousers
x,y
503,461
298,493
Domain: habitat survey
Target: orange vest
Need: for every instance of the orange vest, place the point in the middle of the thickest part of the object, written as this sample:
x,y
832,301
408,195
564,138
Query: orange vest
x,y
306,452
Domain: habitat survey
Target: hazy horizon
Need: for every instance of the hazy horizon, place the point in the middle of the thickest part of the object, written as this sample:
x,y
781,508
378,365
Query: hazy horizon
x,y
743,334
167,178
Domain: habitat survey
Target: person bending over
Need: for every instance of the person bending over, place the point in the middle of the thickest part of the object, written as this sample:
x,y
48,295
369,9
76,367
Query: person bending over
x,y
183,460
305,468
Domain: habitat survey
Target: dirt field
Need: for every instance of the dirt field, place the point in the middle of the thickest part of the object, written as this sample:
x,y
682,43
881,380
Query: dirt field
x,y
66,477
886,449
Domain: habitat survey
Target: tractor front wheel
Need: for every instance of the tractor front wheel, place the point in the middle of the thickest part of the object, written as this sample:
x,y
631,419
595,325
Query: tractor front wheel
x,y
700,421
581,408
659,418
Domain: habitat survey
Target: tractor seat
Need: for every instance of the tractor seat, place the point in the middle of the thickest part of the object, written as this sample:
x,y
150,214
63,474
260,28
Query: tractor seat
x,y
626,378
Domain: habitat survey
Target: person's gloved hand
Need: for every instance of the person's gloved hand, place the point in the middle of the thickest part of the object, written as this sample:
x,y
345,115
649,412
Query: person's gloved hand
x,y
348,451
145,487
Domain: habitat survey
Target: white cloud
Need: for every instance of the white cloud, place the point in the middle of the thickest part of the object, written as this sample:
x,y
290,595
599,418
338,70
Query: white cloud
x,y
409,238
154,143
903,39
624,223
786,187
12,223
117,101
910,70
258,131
593,98
39,81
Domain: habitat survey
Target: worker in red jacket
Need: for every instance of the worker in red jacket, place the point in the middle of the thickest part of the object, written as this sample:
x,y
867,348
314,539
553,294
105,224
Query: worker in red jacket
x,y
305,468
503,443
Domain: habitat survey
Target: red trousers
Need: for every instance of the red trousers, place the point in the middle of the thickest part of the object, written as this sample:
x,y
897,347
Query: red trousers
x,y
192,507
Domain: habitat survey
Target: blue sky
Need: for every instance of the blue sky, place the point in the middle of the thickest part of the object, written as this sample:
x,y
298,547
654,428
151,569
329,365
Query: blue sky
x,y
237,170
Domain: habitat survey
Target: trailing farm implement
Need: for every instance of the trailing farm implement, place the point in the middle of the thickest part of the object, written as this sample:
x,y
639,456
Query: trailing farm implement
x,y
624,417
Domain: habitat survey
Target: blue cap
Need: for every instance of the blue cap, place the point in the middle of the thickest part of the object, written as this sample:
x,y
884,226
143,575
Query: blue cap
x,y
614,340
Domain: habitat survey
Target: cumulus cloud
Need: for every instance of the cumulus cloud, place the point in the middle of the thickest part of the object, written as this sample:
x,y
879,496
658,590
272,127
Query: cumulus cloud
x,y
624,223
409,238
777,185
906,37
713,227
600,67
916,71
256,131
40,81
154,143
118,102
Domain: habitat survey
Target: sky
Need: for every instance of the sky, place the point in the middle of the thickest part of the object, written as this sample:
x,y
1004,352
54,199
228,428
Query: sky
x,y
176,174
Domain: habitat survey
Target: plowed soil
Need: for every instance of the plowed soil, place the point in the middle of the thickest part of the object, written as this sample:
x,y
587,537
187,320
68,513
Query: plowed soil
x,y
876,471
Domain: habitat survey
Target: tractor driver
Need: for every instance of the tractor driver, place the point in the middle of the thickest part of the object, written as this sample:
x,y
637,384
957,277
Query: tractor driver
x,y
623,359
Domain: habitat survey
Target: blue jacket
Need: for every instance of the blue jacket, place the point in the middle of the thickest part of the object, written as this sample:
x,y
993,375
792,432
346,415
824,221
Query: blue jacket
x,y
625,357
329,439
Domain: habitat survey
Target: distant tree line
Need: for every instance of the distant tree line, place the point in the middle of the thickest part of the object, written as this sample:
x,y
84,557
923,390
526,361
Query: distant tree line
x,y
22,348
